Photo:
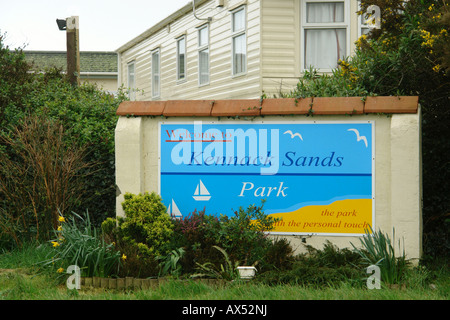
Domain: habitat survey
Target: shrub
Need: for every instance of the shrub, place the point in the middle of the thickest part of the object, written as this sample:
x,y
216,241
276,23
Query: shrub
x,y
147,224
330,256
192,234
87,114
16,82
242,236
40,176
142,235
227,270
278,256
318,268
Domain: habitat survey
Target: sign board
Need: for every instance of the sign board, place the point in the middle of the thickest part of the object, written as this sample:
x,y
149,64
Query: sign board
x,y
317,177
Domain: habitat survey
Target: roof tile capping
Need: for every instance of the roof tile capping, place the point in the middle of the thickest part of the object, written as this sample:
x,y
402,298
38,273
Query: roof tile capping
x,y
256,107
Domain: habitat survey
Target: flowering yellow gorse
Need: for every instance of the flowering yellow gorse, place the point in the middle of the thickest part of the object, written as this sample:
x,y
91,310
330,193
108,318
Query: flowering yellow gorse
x,y
428,38
348,70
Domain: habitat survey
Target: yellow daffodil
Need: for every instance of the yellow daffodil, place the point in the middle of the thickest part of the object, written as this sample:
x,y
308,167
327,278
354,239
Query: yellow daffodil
x,y
61,219
59,228
60,270
55,244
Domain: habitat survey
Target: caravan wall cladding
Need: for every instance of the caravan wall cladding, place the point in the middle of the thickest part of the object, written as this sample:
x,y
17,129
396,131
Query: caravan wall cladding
x,y
327,168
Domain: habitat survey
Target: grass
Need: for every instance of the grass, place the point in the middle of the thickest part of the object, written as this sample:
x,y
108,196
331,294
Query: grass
x,y
22,279
19,286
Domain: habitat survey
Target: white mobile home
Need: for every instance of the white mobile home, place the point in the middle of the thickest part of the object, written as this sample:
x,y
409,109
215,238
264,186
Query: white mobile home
x,y
237,49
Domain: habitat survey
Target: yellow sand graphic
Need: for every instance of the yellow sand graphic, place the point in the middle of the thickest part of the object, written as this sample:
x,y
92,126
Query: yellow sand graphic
x,y
343,216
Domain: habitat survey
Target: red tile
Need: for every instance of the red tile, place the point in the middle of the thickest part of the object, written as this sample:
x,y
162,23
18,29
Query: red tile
x,y
338,105
286,106
141,108
233,108
391,104
188,108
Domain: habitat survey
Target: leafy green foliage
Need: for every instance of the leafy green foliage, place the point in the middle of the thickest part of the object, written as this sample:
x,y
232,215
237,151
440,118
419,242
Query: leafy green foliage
x,y
15,84
147,225
246,229
170,263
318,268
340,83
39,177
199,234
79,243
86,113
142,235
377,249
226,271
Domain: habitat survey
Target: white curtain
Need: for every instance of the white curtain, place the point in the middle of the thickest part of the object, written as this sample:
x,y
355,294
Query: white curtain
x,y
181,58
155,76
324,46
324,12
203,57
131,81
239,54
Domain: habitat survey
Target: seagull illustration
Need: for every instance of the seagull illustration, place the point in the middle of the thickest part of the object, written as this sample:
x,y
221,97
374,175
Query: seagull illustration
x,y
293,135
358,137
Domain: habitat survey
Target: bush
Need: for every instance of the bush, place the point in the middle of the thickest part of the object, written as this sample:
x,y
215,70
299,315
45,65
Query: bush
x,y
279,256
242,236
147,224
318,268
142,235
87,115
16,82
40,176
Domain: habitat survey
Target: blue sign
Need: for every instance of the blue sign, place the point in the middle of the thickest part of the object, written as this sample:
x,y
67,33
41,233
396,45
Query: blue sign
x,y
302,170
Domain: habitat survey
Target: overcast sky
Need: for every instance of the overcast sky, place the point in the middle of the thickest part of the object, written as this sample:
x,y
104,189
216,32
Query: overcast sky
x,y
105,25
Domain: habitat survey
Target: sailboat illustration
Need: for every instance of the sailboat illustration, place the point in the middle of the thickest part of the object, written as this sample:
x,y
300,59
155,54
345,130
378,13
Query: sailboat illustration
x,y
173,210
201,193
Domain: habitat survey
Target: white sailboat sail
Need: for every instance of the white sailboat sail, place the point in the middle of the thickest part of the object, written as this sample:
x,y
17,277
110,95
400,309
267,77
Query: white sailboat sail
x,y
173,210
201,193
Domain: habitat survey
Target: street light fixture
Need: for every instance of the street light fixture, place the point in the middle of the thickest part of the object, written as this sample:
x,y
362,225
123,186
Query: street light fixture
x,y
62,24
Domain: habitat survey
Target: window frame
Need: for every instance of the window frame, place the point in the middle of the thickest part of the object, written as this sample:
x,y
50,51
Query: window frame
x,y
236,34
323,26
132,88
201,48
178,40
157,52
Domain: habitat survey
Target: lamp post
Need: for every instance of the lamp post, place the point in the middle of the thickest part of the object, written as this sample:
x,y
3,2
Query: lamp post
x,y
71,26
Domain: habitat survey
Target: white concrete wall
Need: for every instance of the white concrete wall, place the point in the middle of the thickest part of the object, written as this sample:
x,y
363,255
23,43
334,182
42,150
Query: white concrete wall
x,y
398,193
